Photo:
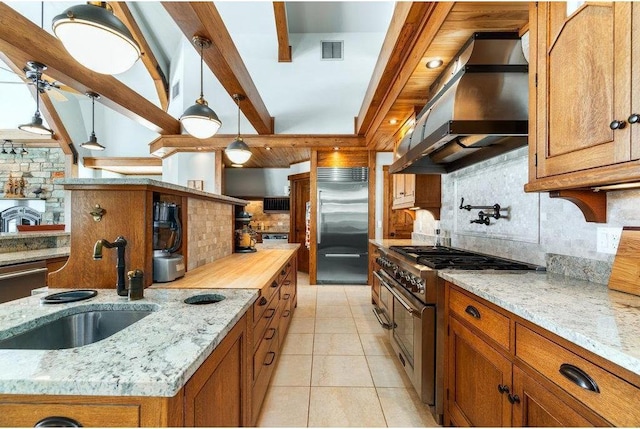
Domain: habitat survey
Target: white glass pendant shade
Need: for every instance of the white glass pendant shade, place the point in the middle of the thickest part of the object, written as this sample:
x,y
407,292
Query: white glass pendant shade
x,y
238,152
36,126
200,121
97,39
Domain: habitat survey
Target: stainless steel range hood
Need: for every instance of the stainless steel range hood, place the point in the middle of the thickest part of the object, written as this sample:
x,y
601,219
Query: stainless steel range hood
x,y
479,109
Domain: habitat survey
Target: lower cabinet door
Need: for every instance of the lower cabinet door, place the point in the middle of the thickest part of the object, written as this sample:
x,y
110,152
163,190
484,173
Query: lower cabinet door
x,y
479,377
538,406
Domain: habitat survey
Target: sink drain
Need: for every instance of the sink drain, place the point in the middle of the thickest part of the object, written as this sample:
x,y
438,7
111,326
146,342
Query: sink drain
x,y
209,298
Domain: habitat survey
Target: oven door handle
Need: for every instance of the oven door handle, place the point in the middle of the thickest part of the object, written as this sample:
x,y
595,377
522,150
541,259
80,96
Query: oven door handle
x,y
397,296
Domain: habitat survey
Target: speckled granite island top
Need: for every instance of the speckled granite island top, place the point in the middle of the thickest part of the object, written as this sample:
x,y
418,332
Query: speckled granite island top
x,y
155,356
590,315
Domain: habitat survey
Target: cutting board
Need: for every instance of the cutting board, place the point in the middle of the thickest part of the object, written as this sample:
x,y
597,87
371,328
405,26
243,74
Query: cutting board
x,y
625,273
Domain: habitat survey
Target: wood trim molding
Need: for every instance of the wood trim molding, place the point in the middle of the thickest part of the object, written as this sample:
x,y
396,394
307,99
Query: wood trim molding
x,y
122,11
222,58
400,38
28,139
282,30
49,112
23,41
165,145
313,244
593,205
129,166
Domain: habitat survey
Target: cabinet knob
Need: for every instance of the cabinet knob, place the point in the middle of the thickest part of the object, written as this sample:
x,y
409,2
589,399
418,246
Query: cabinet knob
x,y
617,125
503,388
514,399
634,118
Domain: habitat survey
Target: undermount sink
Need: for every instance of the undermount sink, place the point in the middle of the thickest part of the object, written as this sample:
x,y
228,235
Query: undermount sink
x,y
75,330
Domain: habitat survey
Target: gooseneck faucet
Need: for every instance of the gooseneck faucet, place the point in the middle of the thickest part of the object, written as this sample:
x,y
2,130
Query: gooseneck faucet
x,y
120,243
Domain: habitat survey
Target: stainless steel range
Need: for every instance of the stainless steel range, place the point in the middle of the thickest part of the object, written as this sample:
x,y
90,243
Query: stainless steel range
x,y
411,306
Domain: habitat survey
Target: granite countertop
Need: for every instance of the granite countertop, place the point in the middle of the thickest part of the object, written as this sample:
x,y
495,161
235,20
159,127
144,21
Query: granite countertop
x,y
32,234
600,320
32,255
154,357
68,183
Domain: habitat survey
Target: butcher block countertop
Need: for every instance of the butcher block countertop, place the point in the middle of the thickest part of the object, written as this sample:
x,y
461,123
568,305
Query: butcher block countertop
x,y
236,271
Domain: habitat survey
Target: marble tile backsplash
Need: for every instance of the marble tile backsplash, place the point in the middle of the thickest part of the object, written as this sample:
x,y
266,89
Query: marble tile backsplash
x,y
539,230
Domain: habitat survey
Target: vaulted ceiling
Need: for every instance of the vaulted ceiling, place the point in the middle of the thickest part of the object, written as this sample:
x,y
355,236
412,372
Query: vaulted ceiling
x,y
398,84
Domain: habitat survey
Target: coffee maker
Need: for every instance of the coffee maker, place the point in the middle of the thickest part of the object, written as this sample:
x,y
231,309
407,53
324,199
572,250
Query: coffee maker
x,y
167,238
245,236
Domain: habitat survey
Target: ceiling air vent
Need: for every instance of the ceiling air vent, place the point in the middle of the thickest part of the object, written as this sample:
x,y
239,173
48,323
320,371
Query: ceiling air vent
x,y
332,49
275,204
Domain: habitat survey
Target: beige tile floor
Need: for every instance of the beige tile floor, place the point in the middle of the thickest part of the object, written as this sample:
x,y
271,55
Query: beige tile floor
x,y
337,367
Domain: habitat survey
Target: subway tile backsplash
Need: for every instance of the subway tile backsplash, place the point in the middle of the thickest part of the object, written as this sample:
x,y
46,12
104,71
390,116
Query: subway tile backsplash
x,y
539,229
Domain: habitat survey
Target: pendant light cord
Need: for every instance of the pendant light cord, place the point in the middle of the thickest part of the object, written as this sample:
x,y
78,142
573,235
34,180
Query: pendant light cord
x,y
93,115
238,103
201,70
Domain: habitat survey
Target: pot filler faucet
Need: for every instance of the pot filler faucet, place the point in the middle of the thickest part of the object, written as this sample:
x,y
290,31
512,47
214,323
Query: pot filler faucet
x,y
120,243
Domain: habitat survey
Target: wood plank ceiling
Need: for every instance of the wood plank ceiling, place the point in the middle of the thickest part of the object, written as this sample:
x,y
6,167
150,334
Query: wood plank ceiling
x,y
400,85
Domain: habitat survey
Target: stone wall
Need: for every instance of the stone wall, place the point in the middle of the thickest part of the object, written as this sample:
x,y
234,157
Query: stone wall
x,y
209,235
537,228
38,168
266,221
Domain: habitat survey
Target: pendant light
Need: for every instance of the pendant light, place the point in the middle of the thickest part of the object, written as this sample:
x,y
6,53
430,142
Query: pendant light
x,y
36,126
238,152
199,120
93,141
96,38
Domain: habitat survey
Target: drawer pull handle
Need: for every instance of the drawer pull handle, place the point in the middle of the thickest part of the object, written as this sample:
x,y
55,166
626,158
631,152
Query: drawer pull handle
x,y
514,399
471,310
263,301
287,282
286,313
271,355
272,310
273,334
57,422
274,284
286,296
283,272
503,389
579,377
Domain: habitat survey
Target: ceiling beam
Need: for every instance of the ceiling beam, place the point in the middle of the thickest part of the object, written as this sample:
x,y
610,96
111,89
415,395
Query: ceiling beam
x,y
165,144
47,110
122,11
29,139
24,41
222,58
282,30
413,29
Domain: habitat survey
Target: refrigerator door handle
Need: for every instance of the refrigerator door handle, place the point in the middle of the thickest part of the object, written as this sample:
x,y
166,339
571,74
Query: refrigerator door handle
x,y
342,255
318,218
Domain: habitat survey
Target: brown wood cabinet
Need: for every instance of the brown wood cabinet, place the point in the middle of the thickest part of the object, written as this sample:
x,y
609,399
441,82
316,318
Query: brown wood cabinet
x,y
300,187
417,190
270,319
504,371
584,128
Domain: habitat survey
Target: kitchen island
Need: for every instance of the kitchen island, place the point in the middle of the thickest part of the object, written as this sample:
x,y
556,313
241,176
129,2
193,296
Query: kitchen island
x,y
162,369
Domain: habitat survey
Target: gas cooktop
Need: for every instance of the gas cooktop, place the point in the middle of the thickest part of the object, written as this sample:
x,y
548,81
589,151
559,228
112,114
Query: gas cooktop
x,y
438,257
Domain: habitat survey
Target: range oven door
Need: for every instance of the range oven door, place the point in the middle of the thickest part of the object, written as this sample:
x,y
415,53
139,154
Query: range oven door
x,y
413,337
385,301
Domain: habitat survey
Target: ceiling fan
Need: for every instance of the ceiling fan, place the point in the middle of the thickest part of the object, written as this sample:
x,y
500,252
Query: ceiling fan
x,y
34,75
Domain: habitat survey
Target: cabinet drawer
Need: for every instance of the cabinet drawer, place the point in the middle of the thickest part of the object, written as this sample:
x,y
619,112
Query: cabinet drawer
x,y
266,293
265,353
284,271
488,321
263,368
27,415
285,318
260,324
613,399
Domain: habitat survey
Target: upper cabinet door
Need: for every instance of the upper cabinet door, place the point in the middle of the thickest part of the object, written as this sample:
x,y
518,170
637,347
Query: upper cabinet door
x,y
583,65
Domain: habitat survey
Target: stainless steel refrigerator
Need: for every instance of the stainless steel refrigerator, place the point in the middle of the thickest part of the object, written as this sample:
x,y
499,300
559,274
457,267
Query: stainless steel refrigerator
x,y
342,233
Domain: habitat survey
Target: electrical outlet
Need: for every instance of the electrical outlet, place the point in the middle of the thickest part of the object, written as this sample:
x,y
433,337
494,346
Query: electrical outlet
x,y
608,239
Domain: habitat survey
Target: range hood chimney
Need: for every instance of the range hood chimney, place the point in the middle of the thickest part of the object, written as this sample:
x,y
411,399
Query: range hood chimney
x,y
478,109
